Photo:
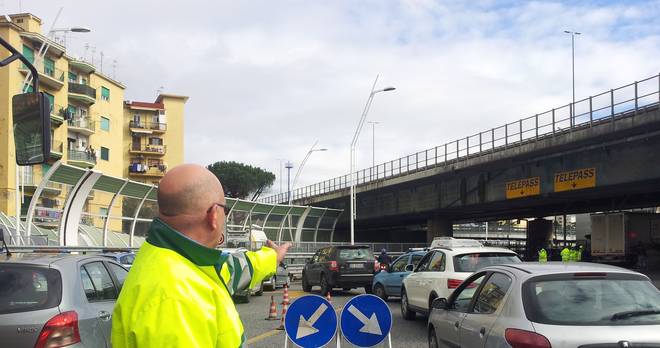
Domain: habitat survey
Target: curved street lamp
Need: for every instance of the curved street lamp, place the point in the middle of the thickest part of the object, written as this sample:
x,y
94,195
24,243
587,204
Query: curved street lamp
x,y
353,144
302,164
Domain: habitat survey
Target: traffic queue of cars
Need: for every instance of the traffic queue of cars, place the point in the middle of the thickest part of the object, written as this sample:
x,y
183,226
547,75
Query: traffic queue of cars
x,y
477,296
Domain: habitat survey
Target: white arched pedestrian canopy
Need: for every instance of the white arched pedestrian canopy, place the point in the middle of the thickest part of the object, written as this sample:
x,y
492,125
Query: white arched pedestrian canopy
x,y
73,226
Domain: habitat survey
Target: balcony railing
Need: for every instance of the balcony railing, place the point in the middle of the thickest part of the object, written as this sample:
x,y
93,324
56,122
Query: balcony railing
x,y
56,146
82,122
48,70
82,156
149,125
80,88
156,149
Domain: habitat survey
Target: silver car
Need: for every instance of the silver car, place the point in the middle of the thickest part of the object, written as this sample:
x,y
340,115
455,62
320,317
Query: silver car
x,y
54,300
550,304
279,279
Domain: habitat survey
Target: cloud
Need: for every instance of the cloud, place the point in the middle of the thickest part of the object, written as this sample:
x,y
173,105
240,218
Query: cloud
x,y
267,79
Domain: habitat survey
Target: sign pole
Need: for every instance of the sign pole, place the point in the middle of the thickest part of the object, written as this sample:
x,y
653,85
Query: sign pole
x,y
389,339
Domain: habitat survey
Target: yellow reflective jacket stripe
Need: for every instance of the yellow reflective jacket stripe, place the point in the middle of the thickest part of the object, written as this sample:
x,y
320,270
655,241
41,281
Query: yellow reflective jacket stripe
x,y
169,300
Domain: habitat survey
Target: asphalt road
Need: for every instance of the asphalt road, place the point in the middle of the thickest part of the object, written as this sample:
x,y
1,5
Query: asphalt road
x,y
262,333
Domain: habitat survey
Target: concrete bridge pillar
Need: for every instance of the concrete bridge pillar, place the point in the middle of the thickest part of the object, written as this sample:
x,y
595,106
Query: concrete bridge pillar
x,y
439,226
539,235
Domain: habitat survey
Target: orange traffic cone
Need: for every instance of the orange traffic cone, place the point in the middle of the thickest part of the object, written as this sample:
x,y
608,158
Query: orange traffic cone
x,y
329,297
285,307
285,297
272,313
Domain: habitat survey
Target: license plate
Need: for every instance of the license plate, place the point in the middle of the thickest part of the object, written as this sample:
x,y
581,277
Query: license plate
x,y
355,265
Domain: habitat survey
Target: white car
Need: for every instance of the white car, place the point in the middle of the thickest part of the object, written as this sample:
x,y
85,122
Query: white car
x,y
443,269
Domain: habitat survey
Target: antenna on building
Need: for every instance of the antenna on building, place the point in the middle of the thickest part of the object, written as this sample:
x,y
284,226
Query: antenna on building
x,y
93,54
101,61
114,69
160,90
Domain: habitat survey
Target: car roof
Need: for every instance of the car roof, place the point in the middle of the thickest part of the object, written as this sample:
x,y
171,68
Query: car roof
x,y
468,250
556,267
45,258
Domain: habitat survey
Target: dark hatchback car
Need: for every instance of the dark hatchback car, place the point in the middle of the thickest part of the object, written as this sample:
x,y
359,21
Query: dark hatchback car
x,y
345,267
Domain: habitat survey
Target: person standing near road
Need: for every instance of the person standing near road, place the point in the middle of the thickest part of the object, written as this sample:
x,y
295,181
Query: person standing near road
x,y
178,292
383,258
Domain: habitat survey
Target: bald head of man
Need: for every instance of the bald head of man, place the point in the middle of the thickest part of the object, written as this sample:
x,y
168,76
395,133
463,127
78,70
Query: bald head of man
x,y
189,199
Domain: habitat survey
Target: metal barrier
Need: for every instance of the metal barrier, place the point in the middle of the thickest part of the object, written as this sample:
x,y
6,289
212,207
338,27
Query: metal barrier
x,y
606,107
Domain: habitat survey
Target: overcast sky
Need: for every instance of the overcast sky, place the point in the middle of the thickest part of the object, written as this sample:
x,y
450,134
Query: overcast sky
x,y
266,79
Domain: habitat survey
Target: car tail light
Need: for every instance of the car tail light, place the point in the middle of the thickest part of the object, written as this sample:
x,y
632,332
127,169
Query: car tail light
x,y
590,274
60,331
526,339
453,283
333,266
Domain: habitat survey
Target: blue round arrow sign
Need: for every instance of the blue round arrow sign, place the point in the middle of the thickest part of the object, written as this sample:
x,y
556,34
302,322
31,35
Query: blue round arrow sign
x,y
366,320
310,321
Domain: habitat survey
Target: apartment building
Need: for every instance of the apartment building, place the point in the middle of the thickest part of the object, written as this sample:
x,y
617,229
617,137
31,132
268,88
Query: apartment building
x,y
88,125
155,137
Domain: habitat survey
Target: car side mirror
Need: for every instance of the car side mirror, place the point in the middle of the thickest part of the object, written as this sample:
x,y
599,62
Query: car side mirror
x,y
410,267
31,123
439,303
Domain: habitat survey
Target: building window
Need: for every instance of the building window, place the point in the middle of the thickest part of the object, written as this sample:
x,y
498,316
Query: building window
x,y
105,153
105,124
155,141
73,77
103,211
51,100
49,67
105,94
28,53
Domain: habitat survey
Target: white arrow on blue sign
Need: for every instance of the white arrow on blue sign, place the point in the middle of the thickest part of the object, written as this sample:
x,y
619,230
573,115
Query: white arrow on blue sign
x,y
310,321
366,320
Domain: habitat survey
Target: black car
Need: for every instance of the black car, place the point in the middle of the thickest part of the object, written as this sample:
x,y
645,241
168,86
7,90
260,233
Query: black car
x,y
343,267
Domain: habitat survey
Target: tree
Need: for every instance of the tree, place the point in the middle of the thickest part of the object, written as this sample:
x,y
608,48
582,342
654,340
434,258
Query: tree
x,y
241,180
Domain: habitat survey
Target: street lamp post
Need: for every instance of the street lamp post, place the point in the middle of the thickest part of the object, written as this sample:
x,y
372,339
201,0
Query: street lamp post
x,y
572,33
353,144
288,165
373,142
302,165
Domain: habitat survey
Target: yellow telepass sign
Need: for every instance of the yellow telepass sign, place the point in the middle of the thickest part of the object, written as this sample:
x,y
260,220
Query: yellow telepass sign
x,y
523,188
575,179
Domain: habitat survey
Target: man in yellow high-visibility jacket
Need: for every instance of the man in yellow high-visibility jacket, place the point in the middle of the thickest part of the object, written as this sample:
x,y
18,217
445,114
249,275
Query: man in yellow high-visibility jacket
x,y
178,292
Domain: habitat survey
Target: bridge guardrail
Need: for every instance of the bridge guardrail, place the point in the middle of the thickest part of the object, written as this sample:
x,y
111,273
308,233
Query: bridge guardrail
x,y
601,108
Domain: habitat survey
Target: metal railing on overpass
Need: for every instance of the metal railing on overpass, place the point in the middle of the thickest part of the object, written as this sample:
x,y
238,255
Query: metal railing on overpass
x,y
625,101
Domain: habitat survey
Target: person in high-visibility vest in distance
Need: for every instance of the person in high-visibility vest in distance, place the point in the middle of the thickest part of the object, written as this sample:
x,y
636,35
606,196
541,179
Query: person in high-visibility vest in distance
x,y
178,292
565,254
543,255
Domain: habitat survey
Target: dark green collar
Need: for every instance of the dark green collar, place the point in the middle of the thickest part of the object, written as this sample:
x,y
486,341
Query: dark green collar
x,y
164,236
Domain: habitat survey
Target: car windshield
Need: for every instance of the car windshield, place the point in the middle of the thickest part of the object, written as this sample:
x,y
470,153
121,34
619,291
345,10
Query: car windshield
x,y
581,302
24,288
355,254
471,262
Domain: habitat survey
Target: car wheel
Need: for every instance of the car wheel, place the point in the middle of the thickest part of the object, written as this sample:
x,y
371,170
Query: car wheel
x,y
433,339
379,291
368,289
305,284
406,313
325,287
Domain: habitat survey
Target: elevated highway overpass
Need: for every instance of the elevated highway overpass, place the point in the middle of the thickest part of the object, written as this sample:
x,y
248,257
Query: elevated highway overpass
x,y
601,153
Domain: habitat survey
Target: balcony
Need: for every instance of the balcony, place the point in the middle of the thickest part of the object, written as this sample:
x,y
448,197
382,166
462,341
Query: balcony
x,y
81,159
142,170
82,66
82,93
48,74
58,114
56,149
82,125
148,127
32,181
158,150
